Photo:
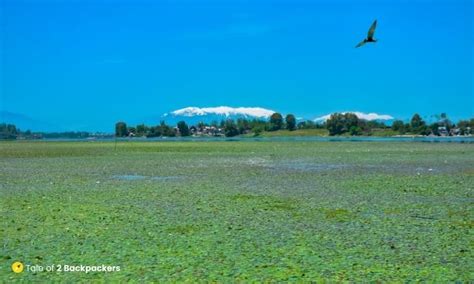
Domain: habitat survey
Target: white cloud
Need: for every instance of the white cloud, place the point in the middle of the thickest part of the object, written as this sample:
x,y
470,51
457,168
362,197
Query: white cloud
x,y
224,110
361,115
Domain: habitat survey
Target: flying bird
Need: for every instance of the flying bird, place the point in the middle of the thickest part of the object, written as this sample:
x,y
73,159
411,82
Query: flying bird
x,y
370,35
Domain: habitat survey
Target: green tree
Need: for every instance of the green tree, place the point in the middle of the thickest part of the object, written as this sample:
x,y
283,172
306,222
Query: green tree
x,y
416,121
335,124
433,128
339,123
142,129
355,130
309,125
463,125
243,125
372,124
417,125
350,120
154,131
158,131
363,127
399,126
290,122
183,128
276,121
230,128
167,130
8,131
257,130
121,129
444,121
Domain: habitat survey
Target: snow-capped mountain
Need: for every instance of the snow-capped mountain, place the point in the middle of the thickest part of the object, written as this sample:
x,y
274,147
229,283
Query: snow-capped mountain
x,y
193,115
225,111
360,115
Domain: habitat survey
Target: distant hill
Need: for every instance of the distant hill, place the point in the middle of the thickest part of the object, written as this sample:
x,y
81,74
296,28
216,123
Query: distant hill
x,y
25,122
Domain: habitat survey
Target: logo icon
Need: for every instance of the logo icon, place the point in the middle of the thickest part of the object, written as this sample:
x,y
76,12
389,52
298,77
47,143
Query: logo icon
x,y
17,267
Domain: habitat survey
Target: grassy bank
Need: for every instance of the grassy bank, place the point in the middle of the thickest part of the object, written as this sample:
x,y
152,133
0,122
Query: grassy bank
x,y
299,132
244,211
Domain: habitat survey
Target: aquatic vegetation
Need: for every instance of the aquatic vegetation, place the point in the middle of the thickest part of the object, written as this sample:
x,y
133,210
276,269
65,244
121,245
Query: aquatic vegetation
x,y
243,211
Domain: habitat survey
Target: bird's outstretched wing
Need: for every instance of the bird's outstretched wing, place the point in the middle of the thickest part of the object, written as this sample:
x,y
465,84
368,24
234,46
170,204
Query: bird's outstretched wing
x,y
371,32
360,44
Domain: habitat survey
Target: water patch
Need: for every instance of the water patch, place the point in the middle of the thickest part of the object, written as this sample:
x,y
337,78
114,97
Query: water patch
x,y
407,169
256,162
307,167
129,177
165,177
140,177
390,168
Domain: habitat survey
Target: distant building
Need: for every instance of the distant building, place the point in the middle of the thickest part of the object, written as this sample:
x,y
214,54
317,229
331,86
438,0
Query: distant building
x,y
443,131
203,130
176,130
455,132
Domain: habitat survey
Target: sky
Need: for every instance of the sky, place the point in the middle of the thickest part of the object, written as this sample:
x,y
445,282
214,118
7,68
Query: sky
x,y
86,64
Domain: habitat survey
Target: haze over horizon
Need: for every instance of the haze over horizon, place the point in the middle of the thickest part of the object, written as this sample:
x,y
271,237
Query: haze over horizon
x,y
85,65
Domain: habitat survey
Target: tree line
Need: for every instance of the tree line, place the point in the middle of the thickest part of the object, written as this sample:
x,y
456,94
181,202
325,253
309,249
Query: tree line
x,y
228,128
11,132
444,126
349,123
337,124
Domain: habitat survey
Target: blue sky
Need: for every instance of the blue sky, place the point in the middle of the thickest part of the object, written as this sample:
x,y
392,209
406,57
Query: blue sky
x,y
86,64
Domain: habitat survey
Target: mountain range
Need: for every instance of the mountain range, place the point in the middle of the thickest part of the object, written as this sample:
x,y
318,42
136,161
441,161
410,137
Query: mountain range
x,y
194,115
